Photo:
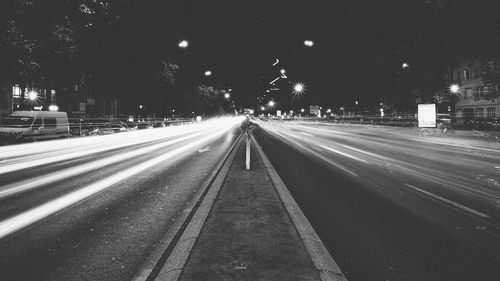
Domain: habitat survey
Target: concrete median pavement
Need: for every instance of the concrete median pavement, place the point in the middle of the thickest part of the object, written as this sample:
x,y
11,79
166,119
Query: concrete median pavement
x,y
248,227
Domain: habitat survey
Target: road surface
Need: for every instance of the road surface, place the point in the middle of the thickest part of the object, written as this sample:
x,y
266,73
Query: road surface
x,y
94,208
391,205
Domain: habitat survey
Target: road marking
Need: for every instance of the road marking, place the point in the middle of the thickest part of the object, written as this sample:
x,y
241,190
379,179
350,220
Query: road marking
x,y
472,211
343,154
204,149
307,134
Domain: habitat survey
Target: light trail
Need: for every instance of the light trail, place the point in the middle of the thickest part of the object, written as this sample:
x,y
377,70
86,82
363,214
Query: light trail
x,y
52,152
384,153
32,183
35,214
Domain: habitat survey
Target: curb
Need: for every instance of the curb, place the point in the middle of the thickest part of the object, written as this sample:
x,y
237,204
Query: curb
x,y
156,261
172,268
322,260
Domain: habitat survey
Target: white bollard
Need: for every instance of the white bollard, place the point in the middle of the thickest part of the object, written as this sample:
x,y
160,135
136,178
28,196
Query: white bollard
x,y
248,153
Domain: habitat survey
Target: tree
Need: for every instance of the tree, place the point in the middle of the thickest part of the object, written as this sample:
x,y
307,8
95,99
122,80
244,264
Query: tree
x,y
207,99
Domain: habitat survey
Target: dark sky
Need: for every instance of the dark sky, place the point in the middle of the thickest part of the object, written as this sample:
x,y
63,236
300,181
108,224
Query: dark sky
x,y
359,46
358,51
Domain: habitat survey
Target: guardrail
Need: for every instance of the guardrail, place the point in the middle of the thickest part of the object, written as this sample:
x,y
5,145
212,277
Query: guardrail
x,y
102,126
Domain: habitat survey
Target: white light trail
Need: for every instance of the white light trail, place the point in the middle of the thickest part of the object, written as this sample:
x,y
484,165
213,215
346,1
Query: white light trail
x,y
32,183
75,148
33,215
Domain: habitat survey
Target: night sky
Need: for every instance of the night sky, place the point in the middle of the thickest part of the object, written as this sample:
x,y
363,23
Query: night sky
x,y
359,46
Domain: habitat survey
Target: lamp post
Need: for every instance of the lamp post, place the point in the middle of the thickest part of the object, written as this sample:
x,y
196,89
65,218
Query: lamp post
x,y
183,44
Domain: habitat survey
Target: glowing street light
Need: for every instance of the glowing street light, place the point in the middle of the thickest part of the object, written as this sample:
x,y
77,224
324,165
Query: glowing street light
x,y
328,110
405,65
298,88
208,73
454,88
308,43
282,71
183,44
32,95
53,107
262,108
271,103
227,96
302,110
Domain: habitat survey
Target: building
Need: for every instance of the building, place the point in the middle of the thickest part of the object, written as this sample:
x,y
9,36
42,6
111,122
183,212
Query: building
x,y
475,98
76,102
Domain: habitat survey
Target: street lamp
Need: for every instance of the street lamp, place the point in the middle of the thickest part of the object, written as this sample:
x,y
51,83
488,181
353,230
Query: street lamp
x,y
282,71
308,43
271,103
298,88
262,108
227,96
454,88
208,73
183,44
405,65
32,95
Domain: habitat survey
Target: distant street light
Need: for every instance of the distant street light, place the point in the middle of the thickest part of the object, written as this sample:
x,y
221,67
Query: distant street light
x,y
298,88
454,88
282,71
227,96
328,110
183,44
32,95
262,108
405,65
140,106
271,103
53,107
302,110
308,43
208,73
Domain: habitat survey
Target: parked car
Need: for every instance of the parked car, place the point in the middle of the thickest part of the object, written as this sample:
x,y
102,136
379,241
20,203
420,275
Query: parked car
x,y
107,128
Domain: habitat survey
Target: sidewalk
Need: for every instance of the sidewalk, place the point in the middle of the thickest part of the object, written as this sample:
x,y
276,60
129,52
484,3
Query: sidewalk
x,y
249,233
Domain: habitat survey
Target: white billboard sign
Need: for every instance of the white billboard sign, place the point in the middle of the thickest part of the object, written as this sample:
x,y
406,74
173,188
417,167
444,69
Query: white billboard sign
x,y
427,115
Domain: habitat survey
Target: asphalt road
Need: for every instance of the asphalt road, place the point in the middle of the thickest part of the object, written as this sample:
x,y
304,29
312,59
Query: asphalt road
x,y
95,208
390,205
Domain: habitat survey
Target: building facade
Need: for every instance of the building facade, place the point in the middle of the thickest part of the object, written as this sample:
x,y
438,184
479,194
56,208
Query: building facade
x,y
475,98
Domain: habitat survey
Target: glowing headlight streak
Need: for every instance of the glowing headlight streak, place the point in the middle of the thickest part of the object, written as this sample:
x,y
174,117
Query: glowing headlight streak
x,y
32,183
33,215
75,149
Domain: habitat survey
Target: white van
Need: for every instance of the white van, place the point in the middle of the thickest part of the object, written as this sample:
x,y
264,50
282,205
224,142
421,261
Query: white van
x,y
22,126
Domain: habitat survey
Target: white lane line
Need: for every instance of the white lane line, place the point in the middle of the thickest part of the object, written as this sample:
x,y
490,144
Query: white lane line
x,y
343,154
307,134
472,211
35,214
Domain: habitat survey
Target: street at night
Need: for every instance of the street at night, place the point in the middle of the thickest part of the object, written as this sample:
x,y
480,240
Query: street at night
x,y
246,140
391,205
